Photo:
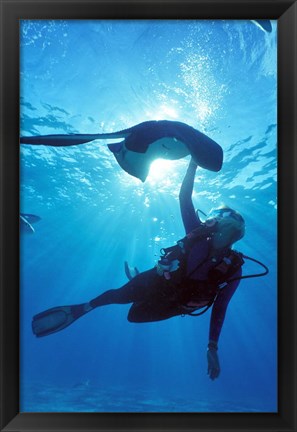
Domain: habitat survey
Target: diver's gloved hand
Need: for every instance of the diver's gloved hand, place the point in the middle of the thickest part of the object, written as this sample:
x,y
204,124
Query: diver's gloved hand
x,y
213,360
174,265
165,265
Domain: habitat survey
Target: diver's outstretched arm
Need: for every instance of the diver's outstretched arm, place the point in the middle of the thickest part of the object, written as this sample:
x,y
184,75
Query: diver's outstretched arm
x,y
187,209
216,323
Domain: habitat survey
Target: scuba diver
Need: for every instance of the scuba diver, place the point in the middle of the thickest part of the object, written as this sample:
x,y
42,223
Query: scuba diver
x,y
200,271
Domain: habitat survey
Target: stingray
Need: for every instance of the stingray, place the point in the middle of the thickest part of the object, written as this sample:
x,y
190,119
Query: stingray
x,y
26,221
264,25
144,143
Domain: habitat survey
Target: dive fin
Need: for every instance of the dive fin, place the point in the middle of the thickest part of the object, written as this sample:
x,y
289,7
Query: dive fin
x,y
56,319
131,272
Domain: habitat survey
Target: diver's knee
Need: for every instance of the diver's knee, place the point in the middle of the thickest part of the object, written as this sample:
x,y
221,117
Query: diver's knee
x,y
133,317
136,315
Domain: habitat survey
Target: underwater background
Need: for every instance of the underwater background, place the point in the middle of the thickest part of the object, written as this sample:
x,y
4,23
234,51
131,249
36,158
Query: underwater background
x,y
102,76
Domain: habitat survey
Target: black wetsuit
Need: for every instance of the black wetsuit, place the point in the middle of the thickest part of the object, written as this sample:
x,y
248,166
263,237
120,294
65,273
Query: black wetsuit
x,y
155,298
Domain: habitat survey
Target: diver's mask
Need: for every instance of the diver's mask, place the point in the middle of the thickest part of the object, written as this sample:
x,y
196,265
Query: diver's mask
x,y
225,213
209,220
230,225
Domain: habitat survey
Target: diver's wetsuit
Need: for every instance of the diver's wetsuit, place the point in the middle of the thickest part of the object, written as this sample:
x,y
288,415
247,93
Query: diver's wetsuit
x,y
155,298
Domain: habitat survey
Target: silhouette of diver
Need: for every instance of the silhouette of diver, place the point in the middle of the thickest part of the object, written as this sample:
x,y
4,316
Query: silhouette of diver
x,y
200,271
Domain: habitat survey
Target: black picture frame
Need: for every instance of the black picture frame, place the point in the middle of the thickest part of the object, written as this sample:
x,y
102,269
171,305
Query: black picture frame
x,y
286,14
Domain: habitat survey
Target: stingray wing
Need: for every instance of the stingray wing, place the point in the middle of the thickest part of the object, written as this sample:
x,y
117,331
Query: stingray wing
x,y
207,153
134,163
264,25
31,218
180,140
25,226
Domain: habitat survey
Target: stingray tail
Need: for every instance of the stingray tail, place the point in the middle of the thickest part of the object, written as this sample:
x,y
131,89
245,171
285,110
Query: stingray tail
x,y
69,140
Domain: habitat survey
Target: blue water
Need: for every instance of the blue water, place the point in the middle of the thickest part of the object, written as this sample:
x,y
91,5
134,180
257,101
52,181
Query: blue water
x,y
101,76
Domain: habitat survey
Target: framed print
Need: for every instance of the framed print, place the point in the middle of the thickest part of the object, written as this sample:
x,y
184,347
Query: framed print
x,y
148,215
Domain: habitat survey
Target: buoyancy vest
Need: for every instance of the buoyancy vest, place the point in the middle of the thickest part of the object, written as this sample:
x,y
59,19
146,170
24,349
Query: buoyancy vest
x,y
174,258
222,265
200,293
